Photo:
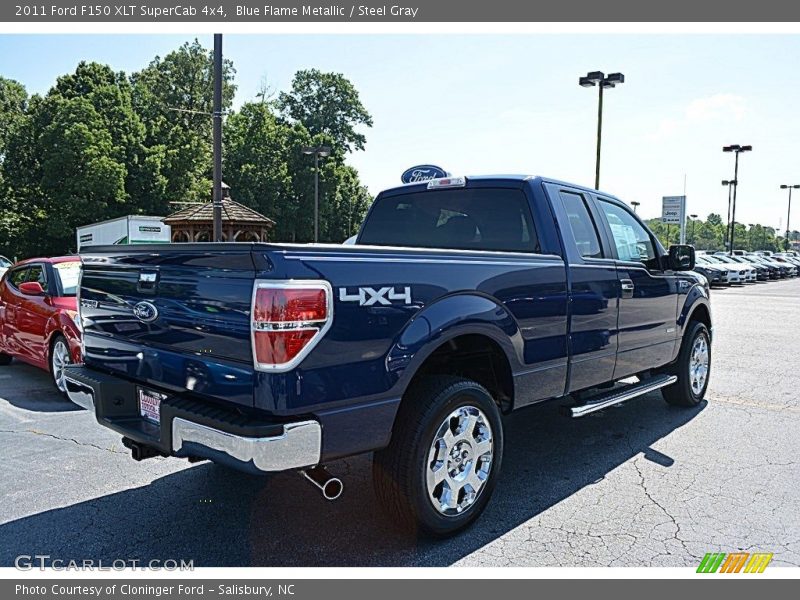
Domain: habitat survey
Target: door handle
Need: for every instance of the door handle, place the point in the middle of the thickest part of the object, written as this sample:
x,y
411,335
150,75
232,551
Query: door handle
x,y
626,285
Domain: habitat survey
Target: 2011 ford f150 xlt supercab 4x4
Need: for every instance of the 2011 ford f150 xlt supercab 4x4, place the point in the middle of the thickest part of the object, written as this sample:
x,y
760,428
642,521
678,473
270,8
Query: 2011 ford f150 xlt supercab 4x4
x,y
463,299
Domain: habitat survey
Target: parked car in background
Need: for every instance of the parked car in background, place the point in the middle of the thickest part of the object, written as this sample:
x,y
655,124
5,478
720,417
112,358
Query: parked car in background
x,y
773,272
788,262
749,272
731,274
782,269
4,264
714,274
38,315
762,271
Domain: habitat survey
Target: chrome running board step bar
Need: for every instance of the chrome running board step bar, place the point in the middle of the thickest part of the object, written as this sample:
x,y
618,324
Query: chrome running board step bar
x,y
621,395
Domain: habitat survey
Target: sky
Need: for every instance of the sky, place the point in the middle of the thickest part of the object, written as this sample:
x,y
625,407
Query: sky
x,y
483,104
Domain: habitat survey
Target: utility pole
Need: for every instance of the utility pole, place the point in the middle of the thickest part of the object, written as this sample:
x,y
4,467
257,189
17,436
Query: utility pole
x,y
217,137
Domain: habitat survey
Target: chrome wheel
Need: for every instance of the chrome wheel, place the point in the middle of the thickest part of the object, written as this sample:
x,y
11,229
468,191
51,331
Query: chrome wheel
x,y
459,460
698,365
59,360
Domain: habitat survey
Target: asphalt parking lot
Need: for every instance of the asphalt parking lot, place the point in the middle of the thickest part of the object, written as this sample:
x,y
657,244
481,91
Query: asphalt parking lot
x,y
643,484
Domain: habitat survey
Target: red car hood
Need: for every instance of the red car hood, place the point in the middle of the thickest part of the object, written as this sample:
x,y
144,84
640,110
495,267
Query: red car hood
x,y
65,302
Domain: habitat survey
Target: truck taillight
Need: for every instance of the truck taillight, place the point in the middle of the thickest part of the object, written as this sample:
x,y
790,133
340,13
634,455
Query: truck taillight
x,y
288,319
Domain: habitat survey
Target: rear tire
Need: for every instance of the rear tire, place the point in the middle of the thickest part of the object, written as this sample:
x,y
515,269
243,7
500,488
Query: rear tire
x,y
5,359
59,358
693,368
442,464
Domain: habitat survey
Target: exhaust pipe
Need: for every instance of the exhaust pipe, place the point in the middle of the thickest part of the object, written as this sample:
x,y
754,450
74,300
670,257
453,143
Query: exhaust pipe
x,y
330,486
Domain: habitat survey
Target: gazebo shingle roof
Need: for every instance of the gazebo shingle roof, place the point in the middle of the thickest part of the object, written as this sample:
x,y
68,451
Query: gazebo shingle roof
x,y
231,211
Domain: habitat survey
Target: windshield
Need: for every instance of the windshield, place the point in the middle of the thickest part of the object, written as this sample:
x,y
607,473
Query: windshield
x,y
67,274
4,262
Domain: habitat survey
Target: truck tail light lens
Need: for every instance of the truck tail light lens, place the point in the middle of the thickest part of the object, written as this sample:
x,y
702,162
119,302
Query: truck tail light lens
x,y
288,319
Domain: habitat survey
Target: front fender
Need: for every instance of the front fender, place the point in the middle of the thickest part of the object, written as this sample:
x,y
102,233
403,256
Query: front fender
x,y
447,318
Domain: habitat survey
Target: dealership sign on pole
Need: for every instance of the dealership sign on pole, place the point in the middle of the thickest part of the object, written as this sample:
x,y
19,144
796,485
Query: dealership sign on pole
x,y
673,211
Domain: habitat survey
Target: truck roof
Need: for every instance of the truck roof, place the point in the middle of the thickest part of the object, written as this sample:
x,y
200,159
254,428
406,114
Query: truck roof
x,y
500,178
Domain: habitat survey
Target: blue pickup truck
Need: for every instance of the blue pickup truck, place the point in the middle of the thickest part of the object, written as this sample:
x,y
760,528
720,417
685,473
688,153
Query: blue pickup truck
x,y
462,300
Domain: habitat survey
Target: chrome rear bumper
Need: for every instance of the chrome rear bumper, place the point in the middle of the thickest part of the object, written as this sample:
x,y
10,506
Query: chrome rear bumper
x,y
288,446
298,447
80,393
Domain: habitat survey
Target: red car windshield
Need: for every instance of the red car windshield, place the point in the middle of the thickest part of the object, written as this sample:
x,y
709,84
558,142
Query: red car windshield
x,y
67,274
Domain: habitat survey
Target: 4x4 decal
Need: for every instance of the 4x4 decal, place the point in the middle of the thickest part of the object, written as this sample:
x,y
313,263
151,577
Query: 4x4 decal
x,y
368,296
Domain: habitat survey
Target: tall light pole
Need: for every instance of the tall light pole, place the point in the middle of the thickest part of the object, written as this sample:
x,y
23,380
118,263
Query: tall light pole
x,y
217,138
602,81
730,185
692,217
318,152
635,205
788,213
736,149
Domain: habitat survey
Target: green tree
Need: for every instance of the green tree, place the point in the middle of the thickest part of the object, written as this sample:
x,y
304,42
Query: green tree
x,y
13,103
266,171
173,96
327,104
77,158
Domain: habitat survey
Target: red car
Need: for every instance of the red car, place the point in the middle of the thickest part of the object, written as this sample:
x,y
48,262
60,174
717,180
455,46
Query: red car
x,y
38,314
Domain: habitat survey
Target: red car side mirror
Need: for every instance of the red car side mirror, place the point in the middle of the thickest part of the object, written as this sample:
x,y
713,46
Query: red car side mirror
x,y
31,288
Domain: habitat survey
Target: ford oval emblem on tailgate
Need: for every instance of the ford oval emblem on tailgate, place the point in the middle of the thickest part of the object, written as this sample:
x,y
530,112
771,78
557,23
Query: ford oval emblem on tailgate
x,y
145,311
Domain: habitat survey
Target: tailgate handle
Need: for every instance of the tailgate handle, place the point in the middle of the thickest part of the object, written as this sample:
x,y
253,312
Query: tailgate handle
x,y
147,282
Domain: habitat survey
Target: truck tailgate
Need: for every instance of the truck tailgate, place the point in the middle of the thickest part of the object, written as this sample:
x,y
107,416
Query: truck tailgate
x,y
173,318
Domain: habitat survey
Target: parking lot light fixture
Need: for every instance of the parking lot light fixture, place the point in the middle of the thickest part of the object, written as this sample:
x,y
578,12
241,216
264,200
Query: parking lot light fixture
x,y
788,213
736,149
635,205
318,152
693,217
602,81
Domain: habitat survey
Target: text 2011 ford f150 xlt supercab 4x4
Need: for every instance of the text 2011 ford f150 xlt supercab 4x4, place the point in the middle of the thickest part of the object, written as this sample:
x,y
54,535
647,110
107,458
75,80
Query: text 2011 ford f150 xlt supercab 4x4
x,y
462,300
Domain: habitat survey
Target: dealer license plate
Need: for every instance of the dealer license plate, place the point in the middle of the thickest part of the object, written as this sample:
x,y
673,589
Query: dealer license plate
x,y
150,404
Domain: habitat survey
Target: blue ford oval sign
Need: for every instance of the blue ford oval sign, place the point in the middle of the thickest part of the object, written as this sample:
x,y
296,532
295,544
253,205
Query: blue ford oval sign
x,y
145,311
422,173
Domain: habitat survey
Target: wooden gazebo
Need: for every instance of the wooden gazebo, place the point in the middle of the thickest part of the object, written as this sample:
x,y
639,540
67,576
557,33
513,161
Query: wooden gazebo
x,y
195,223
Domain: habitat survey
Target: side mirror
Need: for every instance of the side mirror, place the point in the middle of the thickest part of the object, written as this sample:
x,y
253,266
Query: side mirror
x,y
681,257
31,288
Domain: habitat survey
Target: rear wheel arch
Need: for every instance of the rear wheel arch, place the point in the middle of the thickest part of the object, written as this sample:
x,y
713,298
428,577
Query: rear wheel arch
x,y
474,356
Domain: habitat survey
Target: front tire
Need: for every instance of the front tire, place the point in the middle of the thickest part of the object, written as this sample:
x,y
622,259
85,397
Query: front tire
x,y
59,358
692,368
442,464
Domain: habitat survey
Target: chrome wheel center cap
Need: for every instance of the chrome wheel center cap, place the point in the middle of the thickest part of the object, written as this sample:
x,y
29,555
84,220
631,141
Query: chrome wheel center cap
x,y
460,458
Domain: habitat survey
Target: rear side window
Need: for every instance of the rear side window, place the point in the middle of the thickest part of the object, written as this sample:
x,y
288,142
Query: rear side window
x,y
582,225
477,219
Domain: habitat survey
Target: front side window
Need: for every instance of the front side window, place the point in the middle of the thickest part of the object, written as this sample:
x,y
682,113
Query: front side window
x,y
463,219
36,273
632,240
18,276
